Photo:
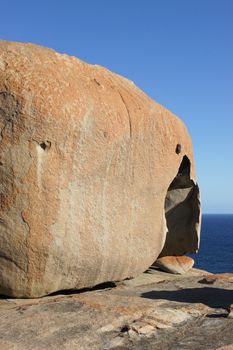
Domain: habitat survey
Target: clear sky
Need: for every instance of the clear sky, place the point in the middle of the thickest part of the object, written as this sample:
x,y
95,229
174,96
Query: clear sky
x,y
180,52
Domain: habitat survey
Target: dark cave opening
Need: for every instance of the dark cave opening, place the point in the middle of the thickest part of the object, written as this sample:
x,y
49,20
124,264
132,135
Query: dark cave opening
x,y
182,212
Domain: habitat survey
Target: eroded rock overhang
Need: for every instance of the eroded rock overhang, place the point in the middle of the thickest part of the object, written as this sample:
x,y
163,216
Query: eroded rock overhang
x,y
182,212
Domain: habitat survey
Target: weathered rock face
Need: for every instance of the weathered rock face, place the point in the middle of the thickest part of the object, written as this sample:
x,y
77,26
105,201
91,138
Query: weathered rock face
x,y
86,161
175,264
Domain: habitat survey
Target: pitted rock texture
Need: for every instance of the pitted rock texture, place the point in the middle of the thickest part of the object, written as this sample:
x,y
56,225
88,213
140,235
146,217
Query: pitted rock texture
x,y
86,163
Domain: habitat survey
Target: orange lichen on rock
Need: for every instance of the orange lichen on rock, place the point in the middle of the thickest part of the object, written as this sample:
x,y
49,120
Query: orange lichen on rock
x,y
175,264
91,175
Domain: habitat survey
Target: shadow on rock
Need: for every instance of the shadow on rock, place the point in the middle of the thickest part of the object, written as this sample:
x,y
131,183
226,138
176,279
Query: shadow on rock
x,y
212,297
106,285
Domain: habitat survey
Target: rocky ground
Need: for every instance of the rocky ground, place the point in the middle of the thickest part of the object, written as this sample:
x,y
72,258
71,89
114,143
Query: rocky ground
x,y
156,310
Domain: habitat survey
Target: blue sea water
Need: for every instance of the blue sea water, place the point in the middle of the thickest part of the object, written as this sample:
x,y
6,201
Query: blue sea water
x,y
216,246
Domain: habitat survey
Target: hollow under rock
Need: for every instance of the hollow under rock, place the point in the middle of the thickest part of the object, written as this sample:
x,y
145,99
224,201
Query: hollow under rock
x,y
182,211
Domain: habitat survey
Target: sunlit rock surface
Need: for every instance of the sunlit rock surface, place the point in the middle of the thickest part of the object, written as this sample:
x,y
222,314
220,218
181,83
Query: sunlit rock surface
x,y
156,310
175,264
97,180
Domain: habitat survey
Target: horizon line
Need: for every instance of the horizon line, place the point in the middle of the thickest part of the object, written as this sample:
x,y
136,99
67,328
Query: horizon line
x,y
217,213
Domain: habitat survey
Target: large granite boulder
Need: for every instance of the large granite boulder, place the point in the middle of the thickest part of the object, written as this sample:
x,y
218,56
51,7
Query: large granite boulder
x,y
97,180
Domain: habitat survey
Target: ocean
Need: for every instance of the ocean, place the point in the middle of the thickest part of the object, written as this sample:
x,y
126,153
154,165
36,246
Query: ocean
x,y
216,245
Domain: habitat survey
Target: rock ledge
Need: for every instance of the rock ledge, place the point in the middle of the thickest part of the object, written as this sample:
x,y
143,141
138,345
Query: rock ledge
x,y
156,310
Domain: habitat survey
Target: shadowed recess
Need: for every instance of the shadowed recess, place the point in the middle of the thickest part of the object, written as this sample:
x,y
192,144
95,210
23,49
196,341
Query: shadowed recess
x,y
182,211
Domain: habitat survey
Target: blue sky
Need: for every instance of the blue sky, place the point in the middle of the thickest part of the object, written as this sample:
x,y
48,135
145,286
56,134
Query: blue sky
x,y
180,52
